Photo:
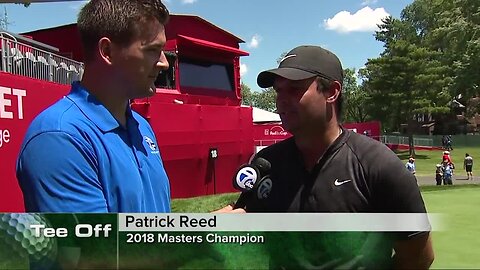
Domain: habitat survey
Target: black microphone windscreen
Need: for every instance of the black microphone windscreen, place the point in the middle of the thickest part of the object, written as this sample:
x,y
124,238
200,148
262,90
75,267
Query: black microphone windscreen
x,y
263,165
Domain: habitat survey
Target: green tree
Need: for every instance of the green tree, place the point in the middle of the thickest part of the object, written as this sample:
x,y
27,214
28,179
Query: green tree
x,y
264,99
247,95
409,79
354,98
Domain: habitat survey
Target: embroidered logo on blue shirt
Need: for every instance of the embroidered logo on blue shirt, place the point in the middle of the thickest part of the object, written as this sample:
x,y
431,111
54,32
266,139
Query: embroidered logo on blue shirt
x,y
151,144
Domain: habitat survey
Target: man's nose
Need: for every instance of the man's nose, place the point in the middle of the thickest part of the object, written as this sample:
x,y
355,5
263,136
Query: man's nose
x,y
162,62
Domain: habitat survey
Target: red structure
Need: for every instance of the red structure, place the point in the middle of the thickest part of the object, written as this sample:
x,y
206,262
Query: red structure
x,y
202,131
371,129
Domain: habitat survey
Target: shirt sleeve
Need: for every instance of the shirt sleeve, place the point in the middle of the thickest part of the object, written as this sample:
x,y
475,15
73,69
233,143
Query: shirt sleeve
x,y
58,172
393,188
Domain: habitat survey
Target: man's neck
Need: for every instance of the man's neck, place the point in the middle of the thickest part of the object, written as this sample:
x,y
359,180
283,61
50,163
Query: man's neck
x,y
108,94
313,145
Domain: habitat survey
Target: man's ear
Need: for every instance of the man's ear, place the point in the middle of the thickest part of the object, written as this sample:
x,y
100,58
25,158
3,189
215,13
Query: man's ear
x,y
333,92
105,50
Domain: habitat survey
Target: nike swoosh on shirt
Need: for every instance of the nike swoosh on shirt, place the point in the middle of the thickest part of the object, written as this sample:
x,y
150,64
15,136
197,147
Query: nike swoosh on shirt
x,y
339,183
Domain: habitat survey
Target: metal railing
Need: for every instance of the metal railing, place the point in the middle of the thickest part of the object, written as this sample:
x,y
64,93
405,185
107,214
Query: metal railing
x,y
392,139
24,59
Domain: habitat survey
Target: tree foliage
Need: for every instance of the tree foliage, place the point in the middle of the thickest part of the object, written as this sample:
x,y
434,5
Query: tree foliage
x,y
354,98
431,54
264,99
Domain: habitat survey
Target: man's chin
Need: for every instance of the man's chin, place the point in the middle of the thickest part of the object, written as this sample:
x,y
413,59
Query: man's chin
x,y
144,94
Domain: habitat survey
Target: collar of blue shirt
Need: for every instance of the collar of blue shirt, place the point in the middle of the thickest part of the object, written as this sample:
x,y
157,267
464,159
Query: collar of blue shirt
x,y
93,109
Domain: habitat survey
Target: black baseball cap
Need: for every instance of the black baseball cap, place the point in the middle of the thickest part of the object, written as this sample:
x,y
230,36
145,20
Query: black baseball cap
x,y
304,62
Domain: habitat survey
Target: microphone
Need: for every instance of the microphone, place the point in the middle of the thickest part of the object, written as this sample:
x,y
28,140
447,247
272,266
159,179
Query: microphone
x,y
253,178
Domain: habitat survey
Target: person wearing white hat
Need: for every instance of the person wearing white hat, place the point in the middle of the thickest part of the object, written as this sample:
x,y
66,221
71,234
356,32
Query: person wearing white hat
x,y
439,175
411,165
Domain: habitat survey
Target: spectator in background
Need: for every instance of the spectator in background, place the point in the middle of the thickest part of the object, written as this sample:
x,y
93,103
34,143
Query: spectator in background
x,y
449,142
439,174
446,156
444,142
468,165
411,165
447,172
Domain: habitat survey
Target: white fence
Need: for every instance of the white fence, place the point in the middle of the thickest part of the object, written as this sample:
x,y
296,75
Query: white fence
x,y
393,139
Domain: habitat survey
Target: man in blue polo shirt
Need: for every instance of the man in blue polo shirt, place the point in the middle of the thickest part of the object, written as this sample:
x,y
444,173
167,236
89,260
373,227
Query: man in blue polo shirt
x,y
89,152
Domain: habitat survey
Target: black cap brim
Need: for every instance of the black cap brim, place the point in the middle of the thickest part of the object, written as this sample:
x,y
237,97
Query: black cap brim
x,y
266,78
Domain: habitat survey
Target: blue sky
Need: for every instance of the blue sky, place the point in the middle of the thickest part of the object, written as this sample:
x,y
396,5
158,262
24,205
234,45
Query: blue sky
x,y
268,27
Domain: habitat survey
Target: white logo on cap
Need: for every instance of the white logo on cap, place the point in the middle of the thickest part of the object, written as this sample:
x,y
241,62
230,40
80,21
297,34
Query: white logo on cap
x,y
286,57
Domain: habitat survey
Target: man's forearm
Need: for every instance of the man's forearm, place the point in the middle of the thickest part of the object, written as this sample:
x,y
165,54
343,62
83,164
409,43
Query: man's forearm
x,y
415,253
411,263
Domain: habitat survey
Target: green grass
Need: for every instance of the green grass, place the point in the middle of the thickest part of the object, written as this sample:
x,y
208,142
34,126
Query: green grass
x,y
203,204
426,160
457,246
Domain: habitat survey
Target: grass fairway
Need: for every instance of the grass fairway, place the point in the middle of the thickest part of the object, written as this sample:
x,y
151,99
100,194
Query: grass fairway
x,y
426,160
203,204
458,246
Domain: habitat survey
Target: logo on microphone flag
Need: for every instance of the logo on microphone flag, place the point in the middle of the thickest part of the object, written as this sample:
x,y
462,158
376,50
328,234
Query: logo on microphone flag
x,y
264,188
246,178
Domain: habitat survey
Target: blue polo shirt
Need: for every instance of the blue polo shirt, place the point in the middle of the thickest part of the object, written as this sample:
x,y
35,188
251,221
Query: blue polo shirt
x,y
76,157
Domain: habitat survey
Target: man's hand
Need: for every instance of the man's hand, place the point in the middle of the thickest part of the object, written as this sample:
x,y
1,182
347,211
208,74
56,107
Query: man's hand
x,y
229,209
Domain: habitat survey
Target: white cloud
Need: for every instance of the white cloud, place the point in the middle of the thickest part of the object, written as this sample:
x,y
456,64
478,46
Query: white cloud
x,y
364,20
369,2
188,1
255,41
243,69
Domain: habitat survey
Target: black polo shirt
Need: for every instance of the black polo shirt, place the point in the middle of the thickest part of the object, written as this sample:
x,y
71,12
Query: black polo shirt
x,y
356,174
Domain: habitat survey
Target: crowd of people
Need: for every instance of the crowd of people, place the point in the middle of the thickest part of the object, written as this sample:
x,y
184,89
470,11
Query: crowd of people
x,y
444,170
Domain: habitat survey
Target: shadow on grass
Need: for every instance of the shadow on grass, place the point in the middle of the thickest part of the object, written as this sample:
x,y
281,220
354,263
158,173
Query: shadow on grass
x,y
405,154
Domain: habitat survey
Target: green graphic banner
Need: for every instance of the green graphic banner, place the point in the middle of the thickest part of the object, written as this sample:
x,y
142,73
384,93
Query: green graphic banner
x,y
104,241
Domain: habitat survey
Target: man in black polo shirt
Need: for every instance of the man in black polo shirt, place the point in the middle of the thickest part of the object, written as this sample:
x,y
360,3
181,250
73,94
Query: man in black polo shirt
x,y
326,168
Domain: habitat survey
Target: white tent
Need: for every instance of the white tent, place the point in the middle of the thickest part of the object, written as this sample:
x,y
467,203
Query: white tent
x,y
263,116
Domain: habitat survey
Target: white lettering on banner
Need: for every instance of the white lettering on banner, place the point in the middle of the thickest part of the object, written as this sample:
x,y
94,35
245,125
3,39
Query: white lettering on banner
x,y
4,137
20,94
281,222
6,102
81,230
